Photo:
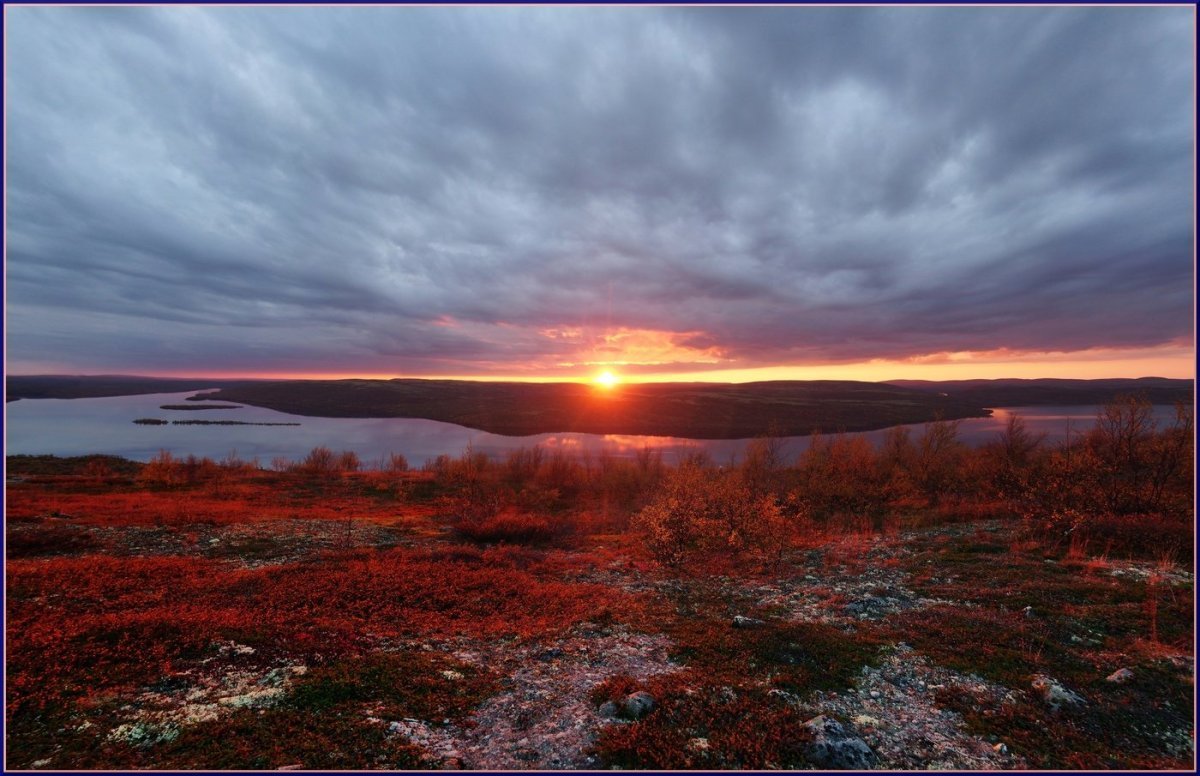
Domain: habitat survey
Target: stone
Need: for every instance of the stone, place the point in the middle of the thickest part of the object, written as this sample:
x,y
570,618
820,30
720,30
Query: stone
x,y
1000,748
747,622
609,709
862,607
1054,694
834,748
1120,676
141,734
637,705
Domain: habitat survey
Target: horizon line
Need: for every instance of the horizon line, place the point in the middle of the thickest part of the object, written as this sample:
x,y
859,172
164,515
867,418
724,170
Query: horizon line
x,y
624,379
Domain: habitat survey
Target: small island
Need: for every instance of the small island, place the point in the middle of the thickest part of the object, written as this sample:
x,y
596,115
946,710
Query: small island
x,y
158,422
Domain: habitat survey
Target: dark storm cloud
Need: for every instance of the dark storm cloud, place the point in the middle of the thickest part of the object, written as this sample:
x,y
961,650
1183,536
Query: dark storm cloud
x,y
431,190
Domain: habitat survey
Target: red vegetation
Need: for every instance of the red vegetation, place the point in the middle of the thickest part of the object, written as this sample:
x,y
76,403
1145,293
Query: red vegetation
x,y
708,728
123,577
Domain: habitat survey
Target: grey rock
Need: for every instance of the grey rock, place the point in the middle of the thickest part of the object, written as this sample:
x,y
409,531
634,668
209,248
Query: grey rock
x,y
747,622
864,606
637,705
609,709
1054,694
834,748
1120,676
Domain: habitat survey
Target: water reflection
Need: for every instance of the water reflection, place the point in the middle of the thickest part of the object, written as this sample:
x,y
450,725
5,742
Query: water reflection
x,y
83,426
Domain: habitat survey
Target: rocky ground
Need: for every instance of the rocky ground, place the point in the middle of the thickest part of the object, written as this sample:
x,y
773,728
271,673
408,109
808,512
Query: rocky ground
x,y
962,647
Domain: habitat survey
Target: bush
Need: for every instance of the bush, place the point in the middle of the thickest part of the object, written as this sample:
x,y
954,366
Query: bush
x,y
396,463
320,460
700,510
323,461
507,527
163,469
842,475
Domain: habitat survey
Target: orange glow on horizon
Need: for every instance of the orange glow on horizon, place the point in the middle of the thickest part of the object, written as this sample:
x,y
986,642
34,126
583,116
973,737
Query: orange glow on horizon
x,y
1173,361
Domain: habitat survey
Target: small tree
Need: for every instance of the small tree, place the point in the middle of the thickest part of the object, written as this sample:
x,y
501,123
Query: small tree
x,y
348,461
937,459
320,460
162,469
1011,457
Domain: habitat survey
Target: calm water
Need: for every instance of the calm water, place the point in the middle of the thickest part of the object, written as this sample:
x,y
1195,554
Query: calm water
x,y
83,426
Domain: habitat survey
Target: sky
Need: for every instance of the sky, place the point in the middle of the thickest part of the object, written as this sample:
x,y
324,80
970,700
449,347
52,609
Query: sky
x,y
548,192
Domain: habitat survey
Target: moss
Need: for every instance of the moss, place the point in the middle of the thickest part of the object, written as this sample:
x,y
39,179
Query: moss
x,y
1123,726
797,657
1006,647
420,685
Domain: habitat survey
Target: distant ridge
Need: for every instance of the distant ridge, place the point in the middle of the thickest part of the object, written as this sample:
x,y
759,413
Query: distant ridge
x,y
1014,392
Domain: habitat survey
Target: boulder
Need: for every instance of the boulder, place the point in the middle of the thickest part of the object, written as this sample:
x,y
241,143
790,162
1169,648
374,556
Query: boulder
x,y
637,705
835,748
747,622
1054,694
1120,676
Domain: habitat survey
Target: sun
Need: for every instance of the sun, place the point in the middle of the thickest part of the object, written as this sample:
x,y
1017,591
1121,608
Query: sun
x,y
606,379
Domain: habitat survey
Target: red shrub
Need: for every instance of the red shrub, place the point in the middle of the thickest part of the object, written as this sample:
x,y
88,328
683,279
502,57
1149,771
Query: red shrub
x,y
508,527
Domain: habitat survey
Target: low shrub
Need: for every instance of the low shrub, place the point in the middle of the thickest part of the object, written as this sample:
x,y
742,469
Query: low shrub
x,y
49,539
253,739
1147,537
420,685
705,727
507,527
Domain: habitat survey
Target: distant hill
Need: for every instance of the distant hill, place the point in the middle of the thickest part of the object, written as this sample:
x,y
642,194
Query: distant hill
x,y
691,410
1055,391
95,386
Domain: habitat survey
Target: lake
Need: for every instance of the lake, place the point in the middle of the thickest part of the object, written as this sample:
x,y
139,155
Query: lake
x,y
83,426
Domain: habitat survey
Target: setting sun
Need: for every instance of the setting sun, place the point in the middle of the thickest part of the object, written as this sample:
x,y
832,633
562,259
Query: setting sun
x,y
606,379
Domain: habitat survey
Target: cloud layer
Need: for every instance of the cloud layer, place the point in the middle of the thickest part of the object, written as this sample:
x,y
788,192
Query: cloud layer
x,y
511,190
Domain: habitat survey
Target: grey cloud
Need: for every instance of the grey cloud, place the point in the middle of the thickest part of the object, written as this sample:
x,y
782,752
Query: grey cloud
x,y
264,188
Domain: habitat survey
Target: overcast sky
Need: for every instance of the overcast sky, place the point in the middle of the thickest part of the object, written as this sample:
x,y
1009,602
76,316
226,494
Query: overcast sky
x,y
531,191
